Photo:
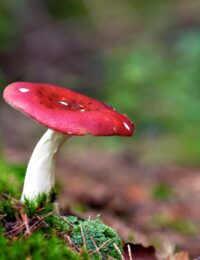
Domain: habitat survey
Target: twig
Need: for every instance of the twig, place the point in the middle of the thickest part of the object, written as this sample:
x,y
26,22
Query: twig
x,y
25,220
103,245
36,224
17,228
61,217
95,245
66,237
40,219
118,250
129,252
83,237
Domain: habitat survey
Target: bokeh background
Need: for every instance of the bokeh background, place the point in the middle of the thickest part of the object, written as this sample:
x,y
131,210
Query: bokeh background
x,y
143,58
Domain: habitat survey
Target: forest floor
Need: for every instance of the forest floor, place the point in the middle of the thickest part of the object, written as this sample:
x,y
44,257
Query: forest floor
x,y
148,205
157,206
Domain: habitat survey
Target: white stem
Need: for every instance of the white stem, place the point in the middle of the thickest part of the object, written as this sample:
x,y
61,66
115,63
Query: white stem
x,y
40,173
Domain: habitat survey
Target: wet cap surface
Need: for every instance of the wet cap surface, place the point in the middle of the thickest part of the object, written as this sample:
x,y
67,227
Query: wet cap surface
x,y
66,111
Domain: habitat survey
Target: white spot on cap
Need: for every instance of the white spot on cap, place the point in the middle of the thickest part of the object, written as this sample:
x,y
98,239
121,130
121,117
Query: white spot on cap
x,y
63,103
126,126
24,90
114,129
82,110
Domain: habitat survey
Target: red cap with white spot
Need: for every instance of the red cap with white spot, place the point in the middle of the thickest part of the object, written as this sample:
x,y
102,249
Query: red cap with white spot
x,y
66,111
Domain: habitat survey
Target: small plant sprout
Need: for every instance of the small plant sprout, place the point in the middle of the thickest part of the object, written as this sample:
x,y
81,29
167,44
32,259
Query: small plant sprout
x,y
65,113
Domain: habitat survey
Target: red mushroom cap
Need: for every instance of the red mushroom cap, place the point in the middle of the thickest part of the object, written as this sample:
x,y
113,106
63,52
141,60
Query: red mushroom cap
x,y
66,111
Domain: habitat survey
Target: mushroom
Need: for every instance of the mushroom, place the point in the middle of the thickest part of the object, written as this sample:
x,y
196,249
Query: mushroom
x,y
65,113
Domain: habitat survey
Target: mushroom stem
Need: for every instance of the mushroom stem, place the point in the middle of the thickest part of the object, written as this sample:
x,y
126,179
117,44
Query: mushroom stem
x,y
40,173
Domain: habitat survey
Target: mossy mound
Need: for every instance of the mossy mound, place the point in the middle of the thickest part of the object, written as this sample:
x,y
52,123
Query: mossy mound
x,y
97,237
34,229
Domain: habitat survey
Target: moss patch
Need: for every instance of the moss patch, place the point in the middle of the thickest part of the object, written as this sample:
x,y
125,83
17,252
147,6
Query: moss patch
x,y
35,229
93,234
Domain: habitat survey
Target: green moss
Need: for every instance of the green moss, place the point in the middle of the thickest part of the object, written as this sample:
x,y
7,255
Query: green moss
x,y
47,239
49,234
43,201
95,233
58,223
36,246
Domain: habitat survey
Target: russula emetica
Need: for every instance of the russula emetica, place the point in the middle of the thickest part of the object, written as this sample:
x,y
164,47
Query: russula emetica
x,y
65,113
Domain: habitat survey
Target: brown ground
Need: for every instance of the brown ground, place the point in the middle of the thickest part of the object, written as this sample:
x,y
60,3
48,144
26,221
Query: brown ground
x,y
122,194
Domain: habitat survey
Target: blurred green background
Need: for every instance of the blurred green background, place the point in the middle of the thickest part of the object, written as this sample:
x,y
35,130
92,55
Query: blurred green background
x,y
143,57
